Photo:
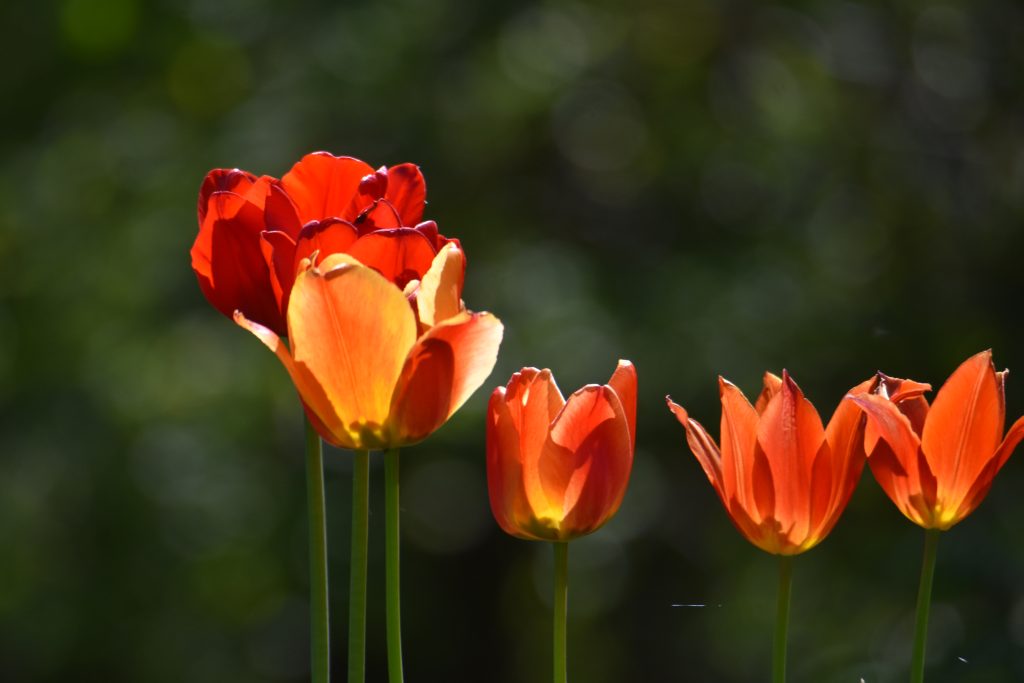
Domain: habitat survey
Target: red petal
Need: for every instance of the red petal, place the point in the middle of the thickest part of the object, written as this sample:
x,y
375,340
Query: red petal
x,y
222,180
279,253
378,216
280,212
400,255
325,186
407,192
327,237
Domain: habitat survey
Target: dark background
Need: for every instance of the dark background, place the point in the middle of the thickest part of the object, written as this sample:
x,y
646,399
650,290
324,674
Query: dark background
x,y
702,187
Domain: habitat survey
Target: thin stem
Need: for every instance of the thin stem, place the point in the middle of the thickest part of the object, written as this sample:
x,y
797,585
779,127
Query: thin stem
x,y
782,619
561,609
320,656
391,579
924,601
357,568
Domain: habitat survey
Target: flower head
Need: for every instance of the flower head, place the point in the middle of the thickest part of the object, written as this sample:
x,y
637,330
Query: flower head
x,y
783,478
937,462
558,469
377,366
255,232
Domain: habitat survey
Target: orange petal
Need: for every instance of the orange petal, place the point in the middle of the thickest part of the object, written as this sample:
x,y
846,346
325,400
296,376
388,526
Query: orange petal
x,y
623,383
702,446
353,330
964,427
791,434
585,464
739,434
772,386
322,185
983,482
314,399
440,293
400,255
443,369
506,487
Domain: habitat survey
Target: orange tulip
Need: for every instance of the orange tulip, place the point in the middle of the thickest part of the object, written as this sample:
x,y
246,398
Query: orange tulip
x,y
783,478
937,462
378,367
558,469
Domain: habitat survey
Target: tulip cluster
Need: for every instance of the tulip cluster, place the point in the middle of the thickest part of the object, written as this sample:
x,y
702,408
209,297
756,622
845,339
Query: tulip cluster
x,y
334,269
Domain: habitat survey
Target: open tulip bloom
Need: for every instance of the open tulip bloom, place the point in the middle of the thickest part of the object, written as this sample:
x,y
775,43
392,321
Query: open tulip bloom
x,y
782,476
937,462
558,469
381,349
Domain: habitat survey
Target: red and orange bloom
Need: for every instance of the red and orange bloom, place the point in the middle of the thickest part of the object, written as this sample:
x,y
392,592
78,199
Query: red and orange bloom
x,y
377,366
255,232
937,462
783,478
558,469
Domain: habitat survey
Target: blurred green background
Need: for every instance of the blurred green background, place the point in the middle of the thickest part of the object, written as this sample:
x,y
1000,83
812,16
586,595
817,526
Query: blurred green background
x,y
709,187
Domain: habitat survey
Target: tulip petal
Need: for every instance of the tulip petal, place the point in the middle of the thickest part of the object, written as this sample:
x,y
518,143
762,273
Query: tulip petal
x,y
791,434
964,427
510,501
739,434
279,253
222,180
228,261
440,293
702,446
623,382
400,255
280,212
772,386
353,330
407,192
314,400
443,369
585,465
325,186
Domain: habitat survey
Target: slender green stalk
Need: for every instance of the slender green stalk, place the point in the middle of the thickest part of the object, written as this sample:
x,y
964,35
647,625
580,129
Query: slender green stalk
x,y
561,608
357,567
782,619
320,657
924,602
391,578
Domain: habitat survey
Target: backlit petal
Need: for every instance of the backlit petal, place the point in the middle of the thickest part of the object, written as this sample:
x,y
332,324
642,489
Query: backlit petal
x,y
400,255
702,446
440,294
772,386
322,185
623,382
443,369
506,488
353,330
407,192
964,427
739,433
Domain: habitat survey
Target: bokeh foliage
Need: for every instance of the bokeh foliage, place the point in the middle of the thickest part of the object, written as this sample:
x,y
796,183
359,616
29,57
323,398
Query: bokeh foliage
x,y
704,187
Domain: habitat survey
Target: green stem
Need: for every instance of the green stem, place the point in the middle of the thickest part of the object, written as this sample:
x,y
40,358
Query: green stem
x,y
319,627
782,619
561,608
391,578
357,568
924,601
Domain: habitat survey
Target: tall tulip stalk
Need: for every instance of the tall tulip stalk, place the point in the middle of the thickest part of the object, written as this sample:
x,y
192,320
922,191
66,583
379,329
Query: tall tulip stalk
x,y
558,469
937,463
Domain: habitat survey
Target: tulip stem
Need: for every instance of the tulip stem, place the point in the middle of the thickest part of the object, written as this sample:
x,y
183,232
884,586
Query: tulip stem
x,y
561,609
924,602
320,656
391,578
357,567
782,619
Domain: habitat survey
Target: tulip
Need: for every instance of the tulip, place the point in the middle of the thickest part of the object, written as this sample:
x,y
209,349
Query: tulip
x,y
255,232
783,478
377,370
937,462
557,469
379,367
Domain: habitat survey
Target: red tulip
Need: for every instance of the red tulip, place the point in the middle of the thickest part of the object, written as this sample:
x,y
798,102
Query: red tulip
x,y
783,478
558,469
937,462
255,232
377,367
